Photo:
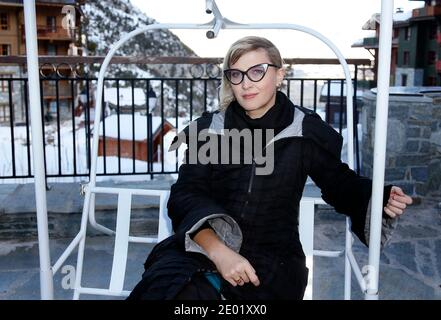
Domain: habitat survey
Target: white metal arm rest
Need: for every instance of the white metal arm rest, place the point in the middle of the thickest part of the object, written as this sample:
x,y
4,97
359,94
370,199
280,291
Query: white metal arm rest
x,y
122,237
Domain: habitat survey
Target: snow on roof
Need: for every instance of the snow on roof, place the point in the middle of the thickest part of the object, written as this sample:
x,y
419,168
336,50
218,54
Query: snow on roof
x,y
376,17
335,89
371,23
410,91
402,16
126,132
358,43
182,122
125,96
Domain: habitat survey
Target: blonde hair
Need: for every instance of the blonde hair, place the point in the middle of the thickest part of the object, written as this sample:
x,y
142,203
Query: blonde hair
x,y
237,50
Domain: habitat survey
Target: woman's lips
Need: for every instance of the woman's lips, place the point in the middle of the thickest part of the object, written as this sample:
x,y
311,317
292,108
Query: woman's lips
x,y
249,96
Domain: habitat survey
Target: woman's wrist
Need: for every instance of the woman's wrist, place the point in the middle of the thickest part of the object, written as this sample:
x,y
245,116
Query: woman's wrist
x,y
217,252
210,242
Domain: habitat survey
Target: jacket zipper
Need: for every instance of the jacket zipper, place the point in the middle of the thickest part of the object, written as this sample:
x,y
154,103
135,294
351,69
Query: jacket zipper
x,y
250,186
250,182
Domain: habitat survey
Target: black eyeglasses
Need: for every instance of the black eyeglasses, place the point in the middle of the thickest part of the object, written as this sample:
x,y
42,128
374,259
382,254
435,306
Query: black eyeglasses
x,y
255,73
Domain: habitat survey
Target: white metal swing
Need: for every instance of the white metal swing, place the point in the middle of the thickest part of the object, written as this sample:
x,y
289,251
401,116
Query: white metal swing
x,y
368,283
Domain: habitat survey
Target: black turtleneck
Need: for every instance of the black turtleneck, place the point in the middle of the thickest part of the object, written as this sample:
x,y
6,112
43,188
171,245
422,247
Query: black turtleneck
x,y
278,117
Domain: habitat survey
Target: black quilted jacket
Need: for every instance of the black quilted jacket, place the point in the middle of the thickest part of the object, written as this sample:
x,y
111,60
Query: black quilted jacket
x,y
266,207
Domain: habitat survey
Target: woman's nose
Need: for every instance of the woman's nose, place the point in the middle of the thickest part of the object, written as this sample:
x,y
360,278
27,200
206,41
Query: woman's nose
x,y
246,83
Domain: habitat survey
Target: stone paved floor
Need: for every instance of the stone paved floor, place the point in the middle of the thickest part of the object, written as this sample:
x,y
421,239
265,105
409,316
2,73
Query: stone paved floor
x,y
410,264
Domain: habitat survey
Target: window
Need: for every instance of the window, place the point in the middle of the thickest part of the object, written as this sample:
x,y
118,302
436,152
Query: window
x,y
396,32
4,86
4,113
432,31
431,57
51,50
431,81
51,23
407,33
5,49
406,58
404,80
4,21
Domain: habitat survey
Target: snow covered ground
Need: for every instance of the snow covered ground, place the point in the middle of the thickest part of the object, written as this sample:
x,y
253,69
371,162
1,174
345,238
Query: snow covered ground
x,y
67,149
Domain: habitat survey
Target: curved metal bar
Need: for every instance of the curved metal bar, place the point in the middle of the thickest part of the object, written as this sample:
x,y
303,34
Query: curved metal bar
x,y
219,22
227,25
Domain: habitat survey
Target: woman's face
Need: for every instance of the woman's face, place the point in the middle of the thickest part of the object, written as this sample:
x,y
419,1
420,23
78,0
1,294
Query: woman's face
x,y
256,97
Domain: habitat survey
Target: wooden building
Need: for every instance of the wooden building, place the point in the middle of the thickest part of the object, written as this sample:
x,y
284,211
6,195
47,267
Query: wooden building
x,y
58,33
109,133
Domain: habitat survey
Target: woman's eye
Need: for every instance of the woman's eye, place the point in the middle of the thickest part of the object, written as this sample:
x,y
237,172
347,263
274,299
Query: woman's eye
x,y
235,74
257,71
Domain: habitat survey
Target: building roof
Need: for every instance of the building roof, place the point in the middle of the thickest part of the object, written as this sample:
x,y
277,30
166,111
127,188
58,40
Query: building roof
x,y
125,125
335,91
125,96
359,43
397,17
410,91
402,16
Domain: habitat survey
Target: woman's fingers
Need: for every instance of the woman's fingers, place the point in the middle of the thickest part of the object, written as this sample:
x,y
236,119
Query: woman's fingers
x,y
253,277
389,212
404,199
397,204
244,273
232,281
235,279
398,194
397,190
249,275
395,210
243,278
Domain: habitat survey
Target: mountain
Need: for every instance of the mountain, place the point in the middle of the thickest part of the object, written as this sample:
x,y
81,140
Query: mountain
x,y
107,21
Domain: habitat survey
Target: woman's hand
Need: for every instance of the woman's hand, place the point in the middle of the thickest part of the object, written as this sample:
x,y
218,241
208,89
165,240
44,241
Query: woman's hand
x,y
397,202
233,267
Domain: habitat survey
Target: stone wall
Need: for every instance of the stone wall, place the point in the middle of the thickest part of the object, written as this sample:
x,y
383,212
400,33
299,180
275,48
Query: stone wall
x,y
413,155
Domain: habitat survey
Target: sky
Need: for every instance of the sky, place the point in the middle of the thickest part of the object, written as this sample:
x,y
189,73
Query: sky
x,y
338,20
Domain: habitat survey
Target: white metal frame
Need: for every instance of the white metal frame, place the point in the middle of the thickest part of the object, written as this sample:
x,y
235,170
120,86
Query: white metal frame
x,y
368,283
122,237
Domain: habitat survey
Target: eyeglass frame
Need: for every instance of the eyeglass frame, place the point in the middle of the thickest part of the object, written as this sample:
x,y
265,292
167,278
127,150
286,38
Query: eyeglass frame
x,y
245,73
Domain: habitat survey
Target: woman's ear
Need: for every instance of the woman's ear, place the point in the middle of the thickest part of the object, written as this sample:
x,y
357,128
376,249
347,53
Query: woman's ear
x,y
280,75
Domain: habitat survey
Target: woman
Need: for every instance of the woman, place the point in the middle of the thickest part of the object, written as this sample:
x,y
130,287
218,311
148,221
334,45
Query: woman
x,y
236,231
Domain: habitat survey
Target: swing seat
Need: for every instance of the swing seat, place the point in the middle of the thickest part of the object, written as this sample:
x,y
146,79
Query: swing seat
x,y
123,238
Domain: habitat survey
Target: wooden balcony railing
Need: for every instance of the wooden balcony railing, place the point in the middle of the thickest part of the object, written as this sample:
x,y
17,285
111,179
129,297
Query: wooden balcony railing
x,y
51,33
427,11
